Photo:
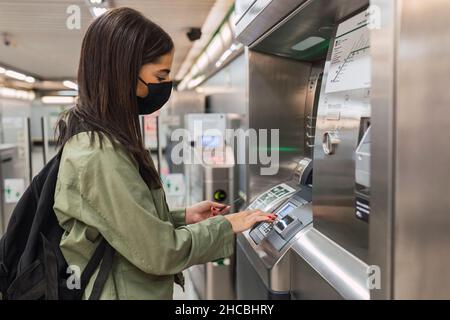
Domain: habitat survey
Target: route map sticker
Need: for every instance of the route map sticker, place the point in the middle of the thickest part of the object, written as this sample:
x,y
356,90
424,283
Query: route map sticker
x,y
350,66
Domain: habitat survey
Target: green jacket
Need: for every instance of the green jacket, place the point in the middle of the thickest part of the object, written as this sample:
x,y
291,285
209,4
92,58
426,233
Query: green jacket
x,y
100,193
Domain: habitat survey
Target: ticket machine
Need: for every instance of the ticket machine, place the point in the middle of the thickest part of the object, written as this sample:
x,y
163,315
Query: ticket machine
x,y
263,253
373,220
329,257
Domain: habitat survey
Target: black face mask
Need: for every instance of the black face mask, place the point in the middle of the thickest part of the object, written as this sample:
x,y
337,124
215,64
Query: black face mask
x,y
158,95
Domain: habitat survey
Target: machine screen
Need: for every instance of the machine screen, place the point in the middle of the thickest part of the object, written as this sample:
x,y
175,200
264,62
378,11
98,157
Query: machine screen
x,y
211,142
285,210
283,223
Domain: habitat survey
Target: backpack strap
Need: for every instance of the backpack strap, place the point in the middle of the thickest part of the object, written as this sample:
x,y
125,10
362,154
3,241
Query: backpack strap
x,y
51,270
3,280
103,273
90,268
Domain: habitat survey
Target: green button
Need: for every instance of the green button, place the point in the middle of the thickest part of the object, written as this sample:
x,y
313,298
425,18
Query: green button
x,y
220,195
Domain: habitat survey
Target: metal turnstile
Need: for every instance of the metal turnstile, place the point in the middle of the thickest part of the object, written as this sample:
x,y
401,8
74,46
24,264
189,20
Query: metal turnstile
x,y
11,186
213,180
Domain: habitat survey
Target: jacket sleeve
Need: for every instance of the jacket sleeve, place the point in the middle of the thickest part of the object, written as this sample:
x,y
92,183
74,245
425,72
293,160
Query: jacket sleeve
x,y
122,210
179,217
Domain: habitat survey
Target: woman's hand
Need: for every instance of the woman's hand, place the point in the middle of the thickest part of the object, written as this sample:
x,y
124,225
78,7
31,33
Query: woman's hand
x,y
204,210
244,220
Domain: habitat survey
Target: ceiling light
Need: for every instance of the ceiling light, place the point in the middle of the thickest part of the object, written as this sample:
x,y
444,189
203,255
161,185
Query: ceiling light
x,y
182,85
195,82
215,48
226,55
70,93
98,7
307,43
30,79
202,62
236,46
70,85
16,94
98,11
195,69
15,75
57,100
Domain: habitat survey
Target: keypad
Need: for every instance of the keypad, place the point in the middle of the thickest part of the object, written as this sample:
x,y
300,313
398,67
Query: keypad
x,y
265,228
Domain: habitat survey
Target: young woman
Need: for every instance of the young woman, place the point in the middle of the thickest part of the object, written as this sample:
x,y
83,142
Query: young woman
x,y
107,184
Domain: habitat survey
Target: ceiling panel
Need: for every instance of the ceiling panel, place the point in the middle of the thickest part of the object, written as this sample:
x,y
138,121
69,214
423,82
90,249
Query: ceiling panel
x,y
43,46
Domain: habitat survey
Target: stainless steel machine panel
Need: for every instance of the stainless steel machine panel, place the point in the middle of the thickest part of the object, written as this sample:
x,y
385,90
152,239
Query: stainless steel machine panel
x,y
383,141
307,284
261,16
312,103
304,35
362,176
329,258
277,100
410,240
345,273
344,102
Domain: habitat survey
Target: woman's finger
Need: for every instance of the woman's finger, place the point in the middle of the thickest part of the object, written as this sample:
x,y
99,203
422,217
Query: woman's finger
x,y
215,209
218,205
258,213
225,210
265,218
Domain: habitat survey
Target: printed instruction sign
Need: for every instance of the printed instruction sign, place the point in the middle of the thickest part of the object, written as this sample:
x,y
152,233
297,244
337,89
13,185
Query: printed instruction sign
x,y
350,66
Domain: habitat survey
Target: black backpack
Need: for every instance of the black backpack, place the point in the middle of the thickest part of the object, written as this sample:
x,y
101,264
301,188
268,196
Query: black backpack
x,y
32,266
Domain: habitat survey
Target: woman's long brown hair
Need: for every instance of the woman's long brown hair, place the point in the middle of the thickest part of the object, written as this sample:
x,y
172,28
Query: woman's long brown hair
x,y
114,48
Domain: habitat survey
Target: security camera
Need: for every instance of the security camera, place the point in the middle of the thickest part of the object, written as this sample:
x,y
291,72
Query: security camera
x,y
6,40
194,34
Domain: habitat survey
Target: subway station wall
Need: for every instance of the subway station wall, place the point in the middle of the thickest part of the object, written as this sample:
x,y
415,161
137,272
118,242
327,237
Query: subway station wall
x,y
226,91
